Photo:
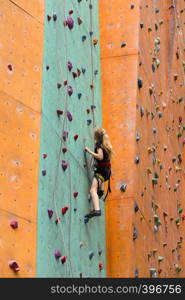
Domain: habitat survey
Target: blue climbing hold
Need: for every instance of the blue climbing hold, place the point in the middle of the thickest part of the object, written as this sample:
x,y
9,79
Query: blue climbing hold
x,y
91,254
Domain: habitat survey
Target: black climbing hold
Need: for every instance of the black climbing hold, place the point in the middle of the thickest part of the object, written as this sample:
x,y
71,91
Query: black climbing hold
x,y
123,187
142,111
160,114
44,172
136,272
137,137
157,10
93,107
95,72
89,122
136,207
154,130
84,38
83,70
153,68
123,44
137,160
47,68
140,83
54,17
132,6
135,233
90,6
91,33
141,25
79,95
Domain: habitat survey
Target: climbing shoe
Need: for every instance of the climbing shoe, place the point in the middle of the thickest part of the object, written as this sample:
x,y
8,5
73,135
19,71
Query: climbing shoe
x,y
93,213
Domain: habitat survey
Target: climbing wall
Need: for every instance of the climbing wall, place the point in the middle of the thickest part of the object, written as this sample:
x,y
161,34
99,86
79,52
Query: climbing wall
x,y
71,107
159,155
145,213
20,105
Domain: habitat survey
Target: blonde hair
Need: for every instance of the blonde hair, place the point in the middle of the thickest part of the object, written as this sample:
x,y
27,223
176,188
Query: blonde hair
x,y
102,137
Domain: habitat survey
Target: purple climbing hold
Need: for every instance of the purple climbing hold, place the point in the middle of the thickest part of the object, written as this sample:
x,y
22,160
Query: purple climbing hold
x,y
57,254
69,65
14,224
14,266
64,165
65,135
10,68
69,116
70,90
50,213
69,22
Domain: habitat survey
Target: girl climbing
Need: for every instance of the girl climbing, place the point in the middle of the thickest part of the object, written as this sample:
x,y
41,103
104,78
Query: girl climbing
x,y
102,157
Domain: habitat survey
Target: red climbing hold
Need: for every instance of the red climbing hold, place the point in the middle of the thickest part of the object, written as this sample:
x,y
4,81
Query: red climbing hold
x,y
71,12
74,75
64,150
48,17
14,266
10,67
59,85
64,165
64,209
57,220
76,137
95,42
63,259
44,155
59,112
65,82
75,194
100,266
14,224
78,72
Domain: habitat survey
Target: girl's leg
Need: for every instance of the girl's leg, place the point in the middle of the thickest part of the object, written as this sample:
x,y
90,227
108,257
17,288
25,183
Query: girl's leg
x,y
94,195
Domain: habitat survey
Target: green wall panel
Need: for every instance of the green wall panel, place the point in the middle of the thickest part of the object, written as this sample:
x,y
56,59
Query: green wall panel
x,y
56,187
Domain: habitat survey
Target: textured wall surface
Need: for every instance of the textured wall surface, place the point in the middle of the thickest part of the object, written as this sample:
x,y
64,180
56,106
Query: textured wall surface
x,y
144,223
84,245
20,104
